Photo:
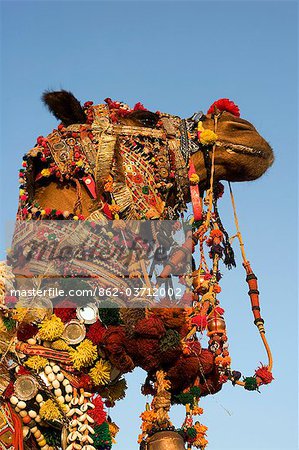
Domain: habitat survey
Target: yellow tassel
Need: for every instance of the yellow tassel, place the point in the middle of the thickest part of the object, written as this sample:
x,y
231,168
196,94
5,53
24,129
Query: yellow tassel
x,y
36,362
50,411
100,373
51,329
84,355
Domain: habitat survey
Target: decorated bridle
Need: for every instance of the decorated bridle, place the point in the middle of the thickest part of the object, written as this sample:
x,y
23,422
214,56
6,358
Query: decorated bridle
x,y
202,220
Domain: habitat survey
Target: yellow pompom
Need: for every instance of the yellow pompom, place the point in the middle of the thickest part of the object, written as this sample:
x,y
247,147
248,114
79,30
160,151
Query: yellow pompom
x,y
51,329
46,172
50,411
84,355
100,373
36,362
194,178
200,126
208,137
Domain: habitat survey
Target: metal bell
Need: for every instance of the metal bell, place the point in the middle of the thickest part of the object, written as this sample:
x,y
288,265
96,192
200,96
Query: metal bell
x,y
166,440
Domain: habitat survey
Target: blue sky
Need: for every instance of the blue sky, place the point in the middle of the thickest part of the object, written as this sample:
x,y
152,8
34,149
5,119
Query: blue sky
x,y
179,57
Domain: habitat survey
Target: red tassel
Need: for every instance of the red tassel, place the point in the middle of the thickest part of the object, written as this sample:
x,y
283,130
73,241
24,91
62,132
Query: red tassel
x,y
18,434
264,374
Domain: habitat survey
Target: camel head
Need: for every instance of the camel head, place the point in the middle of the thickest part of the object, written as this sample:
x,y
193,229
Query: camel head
x,y
241,154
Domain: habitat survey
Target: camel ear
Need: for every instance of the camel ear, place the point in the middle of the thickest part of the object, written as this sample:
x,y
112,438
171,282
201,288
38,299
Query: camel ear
x,y
64,106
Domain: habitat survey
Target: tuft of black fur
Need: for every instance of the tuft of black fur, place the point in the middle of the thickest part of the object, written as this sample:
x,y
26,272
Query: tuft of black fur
x,y
145,118
64,106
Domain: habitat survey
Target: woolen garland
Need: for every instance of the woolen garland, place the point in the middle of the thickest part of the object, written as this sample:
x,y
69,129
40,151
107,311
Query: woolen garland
x,y
98,414
96,332
65,310
150,327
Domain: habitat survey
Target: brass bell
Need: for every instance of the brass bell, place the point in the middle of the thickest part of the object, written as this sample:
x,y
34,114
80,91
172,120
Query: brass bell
x,y
166,440
216,324
200,284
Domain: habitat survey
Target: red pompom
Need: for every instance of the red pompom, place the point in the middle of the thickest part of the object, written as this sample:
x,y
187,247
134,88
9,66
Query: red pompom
x,y
139,107
224,104
199,321
98,414
26,331
111,104
219,310
264,374
84,381
96,332
65,310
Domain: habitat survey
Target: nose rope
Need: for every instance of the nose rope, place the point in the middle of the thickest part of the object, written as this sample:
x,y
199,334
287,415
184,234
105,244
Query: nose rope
x,y
253,288
209,212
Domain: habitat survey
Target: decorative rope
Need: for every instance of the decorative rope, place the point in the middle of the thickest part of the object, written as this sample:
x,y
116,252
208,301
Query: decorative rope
x,y
253,288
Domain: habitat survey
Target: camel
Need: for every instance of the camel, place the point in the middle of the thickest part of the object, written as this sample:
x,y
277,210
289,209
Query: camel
x,y
106,162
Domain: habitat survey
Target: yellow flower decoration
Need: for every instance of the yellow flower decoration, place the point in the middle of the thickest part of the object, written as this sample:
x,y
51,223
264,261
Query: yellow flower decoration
x,y
36,362
50,411
194,178
79,163
46,172
84,355
208,137
100,373
51,329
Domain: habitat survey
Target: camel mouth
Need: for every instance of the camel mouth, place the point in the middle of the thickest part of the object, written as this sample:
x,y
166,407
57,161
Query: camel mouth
x,y
242,149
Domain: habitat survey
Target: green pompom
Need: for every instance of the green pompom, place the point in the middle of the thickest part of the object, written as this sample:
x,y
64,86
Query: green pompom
x,y
191,433
9,323
184,398
195,391
250,384
109,313
171,340
102,436
52,437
